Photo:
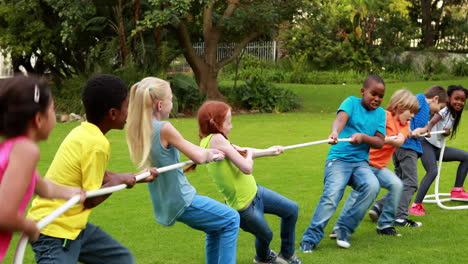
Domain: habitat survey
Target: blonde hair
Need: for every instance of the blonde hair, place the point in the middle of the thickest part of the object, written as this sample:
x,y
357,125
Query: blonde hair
x,y
403,100
140,112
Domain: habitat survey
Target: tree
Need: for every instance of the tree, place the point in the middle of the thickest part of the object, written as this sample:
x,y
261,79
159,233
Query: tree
x,y
31,32
215,22
348,34
436,17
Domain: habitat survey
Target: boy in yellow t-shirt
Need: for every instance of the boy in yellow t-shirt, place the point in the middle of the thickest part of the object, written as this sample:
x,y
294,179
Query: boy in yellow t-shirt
x,y
81,161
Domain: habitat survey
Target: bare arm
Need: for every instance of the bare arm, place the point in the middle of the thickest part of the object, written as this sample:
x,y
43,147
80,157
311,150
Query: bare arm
x,y
418,132
338,125
111,179
434,120
16,179
48,189
376,141
277,150
396,142
244,164
170,136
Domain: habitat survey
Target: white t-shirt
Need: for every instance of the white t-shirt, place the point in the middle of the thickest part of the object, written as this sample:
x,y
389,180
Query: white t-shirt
x,y
445,123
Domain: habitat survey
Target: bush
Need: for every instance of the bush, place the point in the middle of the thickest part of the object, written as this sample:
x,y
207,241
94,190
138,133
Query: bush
x,y
67,95
433,67
259,95
460,67
187,97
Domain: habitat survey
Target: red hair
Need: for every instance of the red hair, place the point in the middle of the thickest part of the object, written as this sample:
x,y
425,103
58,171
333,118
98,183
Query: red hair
x,y
211,116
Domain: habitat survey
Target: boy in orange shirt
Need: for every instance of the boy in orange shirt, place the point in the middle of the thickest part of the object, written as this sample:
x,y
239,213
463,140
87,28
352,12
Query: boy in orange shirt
x,y
401,108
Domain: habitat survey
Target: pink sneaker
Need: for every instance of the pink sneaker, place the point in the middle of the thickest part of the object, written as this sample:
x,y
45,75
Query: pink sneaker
x,y
459,194
417,209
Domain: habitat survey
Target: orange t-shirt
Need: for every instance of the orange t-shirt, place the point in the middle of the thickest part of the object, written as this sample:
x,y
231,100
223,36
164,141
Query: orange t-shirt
x,y
380,158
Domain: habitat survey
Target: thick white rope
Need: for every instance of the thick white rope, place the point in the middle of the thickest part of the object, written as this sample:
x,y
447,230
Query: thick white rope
x,y
22,243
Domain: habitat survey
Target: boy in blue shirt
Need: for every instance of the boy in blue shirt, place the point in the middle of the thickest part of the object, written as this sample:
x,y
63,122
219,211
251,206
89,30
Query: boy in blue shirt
x,y
362,120
406,157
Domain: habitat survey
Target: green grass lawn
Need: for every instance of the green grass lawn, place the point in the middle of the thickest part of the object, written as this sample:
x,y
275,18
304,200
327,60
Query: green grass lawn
x,y
296,174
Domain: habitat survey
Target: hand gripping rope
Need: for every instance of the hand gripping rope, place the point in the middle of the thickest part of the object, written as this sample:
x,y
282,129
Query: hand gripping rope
x,y
22,243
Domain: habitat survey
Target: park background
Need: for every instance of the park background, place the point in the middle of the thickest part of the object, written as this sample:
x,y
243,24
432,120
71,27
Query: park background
x,y
284,66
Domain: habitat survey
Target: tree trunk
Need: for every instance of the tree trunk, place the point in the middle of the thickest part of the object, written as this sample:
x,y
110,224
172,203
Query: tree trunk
x,y
427,30
120,28
206,78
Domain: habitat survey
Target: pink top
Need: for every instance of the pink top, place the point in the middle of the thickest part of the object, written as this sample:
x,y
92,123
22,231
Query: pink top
x,y
5,149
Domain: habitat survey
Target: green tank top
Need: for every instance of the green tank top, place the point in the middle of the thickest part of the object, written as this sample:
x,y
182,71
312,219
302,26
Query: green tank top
x,y
238,188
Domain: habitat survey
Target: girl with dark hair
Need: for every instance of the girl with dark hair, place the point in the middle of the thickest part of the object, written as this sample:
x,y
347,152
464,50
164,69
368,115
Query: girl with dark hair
x,y
447,119
26,117
234,179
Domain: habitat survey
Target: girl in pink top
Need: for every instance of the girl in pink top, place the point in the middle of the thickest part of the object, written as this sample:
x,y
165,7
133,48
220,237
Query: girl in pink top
x,y
26,117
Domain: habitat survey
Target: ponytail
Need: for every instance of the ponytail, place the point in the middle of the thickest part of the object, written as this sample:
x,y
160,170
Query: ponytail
x,y
139,120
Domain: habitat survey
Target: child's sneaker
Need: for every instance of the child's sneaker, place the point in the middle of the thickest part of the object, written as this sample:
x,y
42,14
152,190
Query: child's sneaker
x,y
389,231
417,209
459,194
406,223
374,213
291,260
343,238
333,233
271,259
306,247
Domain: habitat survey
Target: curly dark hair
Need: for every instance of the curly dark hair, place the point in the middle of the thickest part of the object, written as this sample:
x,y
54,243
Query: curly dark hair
x,y
100,94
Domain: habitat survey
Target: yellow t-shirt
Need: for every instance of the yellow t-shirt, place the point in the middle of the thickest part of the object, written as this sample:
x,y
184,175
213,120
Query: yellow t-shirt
x,y
80,161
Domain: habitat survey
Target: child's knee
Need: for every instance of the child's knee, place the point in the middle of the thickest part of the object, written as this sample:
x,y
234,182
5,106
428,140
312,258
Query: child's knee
x,y
396,186
373,187
294,210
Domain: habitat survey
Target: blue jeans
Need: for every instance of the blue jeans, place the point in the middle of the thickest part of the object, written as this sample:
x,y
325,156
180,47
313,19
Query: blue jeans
x,y
338,174
253,221
391,182
221,225
92,246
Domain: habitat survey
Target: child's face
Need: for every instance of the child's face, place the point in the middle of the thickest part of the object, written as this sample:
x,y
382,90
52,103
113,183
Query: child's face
x,y
166,105
121,115
372,96
457,100
405,116
227,125
47,121
435,106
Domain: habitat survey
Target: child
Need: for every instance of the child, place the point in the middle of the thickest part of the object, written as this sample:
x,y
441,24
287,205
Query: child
x,y
448,118
405,158
363,121
403,105
81,161
234,180
26,117
151,140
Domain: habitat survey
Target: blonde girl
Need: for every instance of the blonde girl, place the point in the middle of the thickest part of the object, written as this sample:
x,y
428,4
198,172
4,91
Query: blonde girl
x,y
27,117
156,142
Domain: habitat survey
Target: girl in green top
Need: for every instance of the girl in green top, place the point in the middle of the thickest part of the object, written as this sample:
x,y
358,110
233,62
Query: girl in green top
x,y
234,180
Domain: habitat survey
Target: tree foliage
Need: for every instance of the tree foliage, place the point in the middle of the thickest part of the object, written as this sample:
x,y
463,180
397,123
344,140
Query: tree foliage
x,y
215,22
64,38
